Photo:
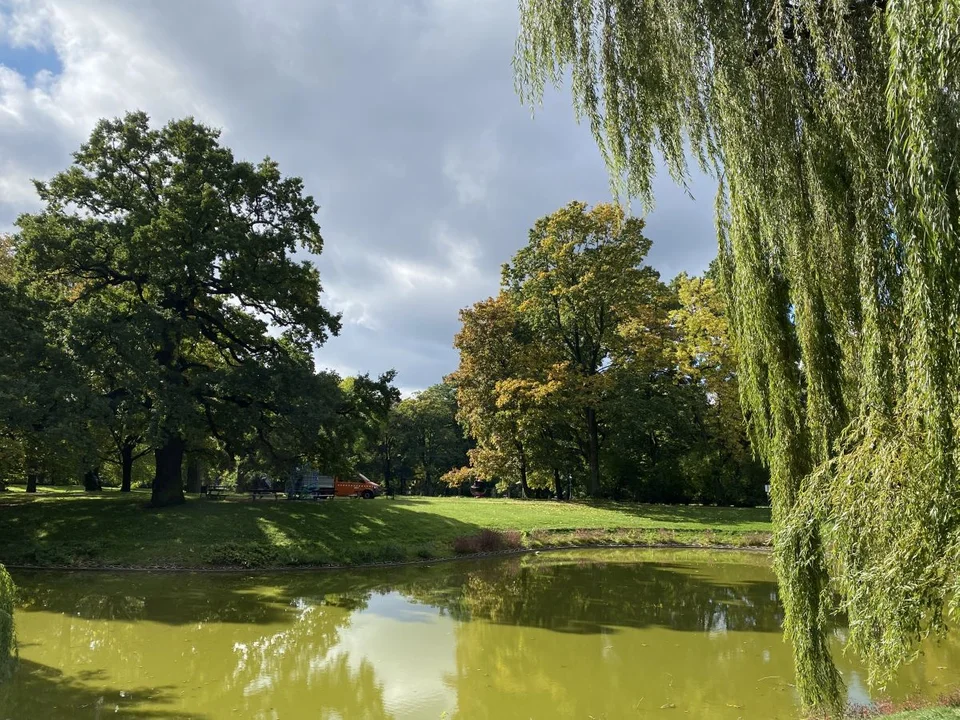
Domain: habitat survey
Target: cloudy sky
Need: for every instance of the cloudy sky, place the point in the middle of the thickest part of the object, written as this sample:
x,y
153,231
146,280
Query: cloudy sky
x,y
400,115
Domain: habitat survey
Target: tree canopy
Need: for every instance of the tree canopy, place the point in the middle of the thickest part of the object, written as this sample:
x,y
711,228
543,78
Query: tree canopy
x,y
172,273
832,127
579,281
587,368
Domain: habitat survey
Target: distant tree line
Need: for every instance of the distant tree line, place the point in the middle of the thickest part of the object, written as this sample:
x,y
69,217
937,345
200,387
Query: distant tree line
x,y
160,330
587,376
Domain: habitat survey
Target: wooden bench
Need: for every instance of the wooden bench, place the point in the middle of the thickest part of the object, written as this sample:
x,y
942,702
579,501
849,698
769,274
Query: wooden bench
x,y
275,489
217,491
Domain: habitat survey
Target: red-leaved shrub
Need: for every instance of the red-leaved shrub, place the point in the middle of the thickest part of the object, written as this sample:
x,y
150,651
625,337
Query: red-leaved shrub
x,y
486,541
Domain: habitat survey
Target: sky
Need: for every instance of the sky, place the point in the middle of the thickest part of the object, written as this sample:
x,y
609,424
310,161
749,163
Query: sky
x,y
400,116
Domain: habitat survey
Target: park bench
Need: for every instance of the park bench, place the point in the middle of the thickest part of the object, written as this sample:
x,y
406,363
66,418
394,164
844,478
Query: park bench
x,y
217,491
264,488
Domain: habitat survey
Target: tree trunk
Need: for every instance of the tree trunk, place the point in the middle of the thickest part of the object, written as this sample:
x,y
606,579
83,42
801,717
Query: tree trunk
x,y
91,480
126,466
524,489
168,480
194,474
387,476
593,452
558,484
32,478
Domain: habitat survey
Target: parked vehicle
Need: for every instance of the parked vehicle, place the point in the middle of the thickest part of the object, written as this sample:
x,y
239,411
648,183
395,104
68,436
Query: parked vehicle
x,y
308,482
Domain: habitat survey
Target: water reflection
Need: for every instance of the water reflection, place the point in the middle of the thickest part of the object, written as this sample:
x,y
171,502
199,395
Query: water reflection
x,y
636,634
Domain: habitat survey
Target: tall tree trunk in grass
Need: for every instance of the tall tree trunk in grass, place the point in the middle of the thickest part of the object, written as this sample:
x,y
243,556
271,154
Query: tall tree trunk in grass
x,y
194,474
558,484
32,477
593,451
387,476
168,479
524,489
126,467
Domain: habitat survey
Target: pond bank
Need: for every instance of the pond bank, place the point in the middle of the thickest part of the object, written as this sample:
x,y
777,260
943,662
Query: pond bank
x,y
110,530
763,547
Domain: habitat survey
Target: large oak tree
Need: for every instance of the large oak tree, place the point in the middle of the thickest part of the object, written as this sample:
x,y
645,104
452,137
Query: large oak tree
x,y
181,274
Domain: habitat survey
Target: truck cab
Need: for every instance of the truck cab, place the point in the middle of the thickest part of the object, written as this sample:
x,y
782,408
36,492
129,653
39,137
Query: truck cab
x,y
359,486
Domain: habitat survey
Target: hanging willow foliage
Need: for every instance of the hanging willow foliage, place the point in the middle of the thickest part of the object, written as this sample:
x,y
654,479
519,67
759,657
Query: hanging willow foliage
x,y
832,127
8,639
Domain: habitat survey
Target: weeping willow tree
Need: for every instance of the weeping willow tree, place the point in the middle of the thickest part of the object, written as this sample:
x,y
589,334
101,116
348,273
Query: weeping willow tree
x,y
832,127
8,641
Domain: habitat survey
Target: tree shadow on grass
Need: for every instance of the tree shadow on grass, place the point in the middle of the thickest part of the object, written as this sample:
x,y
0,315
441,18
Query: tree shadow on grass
x,y
39,691
89,531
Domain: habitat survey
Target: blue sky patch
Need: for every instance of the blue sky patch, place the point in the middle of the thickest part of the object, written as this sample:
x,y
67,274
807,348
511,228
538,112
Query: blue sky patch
x,y
28,61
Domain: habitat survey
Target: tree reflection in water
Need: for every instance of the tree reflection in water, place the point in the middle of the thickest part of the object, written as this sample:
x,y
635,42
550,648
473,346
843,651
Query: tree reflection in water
x,y
561,635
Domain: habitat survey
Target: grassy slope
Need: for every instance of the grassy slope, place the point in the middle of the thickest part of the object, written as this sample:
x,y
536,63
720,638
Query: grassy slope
x,y
73,528
930,714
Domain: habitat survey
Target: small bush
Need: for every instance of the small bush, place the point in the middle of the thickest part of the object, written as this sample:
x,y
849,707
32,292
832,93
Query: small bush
x,y
8,642
241,554
392,552
486,541
386,553
425,552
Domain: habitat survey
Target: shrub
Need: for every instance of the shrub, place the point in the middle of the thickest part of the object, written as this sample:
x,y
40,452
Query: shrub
x,y
242,554
392,552
486,541
8,642
372,554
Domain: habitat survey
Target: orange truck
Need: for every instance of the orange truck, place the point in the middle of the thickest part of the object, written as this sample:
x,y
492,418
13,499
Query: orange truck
x,y
310,483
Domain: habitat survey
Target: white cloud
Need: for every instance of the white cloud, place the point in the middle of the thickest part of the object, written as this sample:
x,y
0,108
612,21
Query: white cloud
x,y
26,25
472,166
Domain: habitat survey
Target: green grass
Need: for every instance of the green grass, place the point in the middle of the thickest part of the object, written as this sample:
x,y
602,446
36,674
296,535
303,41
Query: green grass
x,y
928,714
59,527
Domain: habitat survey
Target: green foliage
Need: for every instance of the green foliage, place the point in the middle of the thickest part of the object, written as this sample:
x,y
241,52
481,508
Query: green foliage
x,y
429,438
8,638
45,404
522,432
172,268
364,427
832,128
587,365
580,283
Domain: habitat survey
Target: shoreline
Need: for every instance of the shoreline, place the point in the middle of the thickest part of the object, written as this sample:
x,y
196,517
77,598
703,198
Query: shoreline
x,y
230,569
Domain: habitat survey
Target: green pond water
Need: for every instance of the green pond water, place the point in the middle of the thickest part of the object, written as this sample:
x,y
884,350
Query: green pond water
x,y
618,634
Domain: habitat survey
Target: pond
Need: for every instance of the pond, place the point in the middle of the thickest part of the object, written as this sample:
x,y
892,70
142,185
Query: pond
x,y
559,635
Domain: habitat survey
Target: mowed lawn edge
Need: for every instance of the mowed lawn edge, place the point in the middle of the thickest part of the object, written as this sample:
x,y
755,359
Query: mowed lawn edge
x,y
58,528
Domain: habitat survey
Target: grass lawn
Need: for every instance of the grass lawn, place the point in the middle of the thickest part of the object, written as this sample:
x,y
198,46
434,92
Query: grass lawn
x,y
66,527
945,713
